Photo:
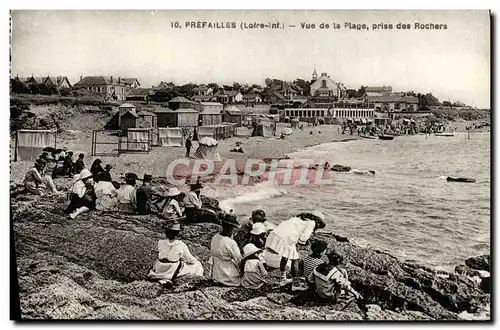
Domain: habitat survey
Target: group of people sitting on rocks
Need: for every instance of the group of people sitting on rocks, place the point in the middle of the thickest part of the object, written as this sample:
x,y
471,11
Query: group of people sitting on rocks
x,y
243,256
239,255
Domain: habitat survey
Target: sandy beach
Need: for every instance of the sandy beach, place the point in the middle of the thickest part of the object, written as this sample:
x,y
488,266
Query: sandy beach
x,y
156,161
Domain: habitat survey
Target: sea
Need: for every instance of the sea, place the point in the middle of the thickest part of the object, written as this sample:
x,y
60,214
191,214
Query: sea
x,y
407,208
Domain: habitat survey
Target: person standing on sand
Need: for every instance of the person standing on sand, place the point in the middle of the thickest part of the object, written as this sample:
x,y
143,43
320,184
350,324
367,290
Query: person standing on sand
x,y
225,256
283,240
189,144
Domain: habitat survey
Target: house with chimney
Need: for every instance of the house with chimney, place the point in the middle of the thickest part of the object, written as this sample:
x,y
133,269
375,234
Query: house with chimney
x,y
58,82
325,86
109,88
228,97
203,90
287,89
131,83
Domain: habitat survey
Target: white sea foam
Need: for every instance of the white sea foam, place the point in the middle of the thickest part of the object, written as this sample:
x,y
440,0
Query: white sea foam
x,y
250,194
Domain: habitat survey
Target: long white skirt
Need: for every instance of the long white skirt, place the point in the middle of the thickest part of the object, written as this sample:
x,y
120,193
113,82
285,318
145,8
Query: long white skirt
x,y
165,271
278,245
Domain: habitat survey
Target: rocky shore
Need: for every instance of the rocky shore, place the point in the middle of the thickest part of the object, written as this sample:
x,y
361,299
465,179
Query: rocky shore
x,y
94,267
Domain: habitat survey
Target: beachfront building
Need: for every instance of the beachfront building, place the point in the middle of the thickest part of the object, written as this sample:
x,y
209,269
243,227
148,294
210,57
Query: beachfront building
x,y
380,90
109,88
324,86
353,110
305,113
394,103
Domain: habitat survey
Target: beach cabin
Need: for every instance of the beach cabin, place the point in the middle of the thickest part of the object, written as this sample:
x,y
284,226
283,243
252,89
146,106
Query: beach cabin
x,y
141,119
211,114
124,108
177,118
181,102
232,115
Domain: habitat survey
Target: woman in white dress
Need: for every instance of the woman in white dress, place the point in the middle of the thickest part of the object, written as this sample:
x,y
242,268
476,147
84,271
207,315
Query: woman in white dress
x,y
225,254
283,240
174,259
106,194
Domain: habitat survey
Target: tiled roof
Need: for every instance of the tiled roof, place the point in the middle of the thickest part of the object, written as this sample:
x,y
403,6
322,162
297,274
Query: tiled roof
x,y
371,94
180,99
130,81
393,98
250,96
127,105
200,89
145,113
231,93
98,80
140,91
378,89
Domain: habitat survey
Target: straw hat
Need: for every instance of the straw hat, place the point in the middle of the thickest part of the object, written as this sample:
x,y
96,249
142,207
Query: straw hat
x,y
173,192
84,174
250,249
258,228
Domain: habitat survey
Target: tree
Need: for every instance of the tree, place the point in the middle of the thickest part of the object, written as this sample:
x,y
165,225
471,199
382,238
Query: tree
x,y
304,84
268,81
19,87
236,86
214,87
446,104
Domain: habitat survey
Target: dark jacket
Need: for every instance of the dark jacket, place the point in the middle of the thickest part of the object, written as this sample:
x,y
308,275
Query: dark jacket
x,y
143,199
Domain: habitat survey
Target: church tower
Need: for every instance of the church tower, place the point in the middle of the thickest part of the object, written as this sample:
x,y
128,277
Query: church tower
x,y
314,75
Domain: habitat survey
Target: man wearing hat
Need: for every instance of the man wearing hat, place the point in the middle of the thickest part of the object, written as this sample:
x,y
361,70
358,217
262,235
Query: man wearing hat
x,y
107,173
143,196
192,202
127,194
37,183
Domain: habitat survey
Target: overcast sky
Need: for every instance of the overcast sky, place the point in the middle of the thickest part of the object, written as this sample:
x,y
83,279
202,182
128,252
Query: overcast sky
x,y
452,64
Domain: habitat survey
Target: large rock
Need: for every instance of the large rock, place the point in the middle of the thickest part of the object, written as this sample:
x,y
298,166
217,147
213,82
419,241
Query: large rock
x,y
480,263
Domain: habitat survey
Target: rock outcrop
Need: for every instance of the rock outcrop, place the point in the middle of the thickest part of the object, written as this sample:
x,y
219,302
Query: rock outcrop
x,y
94,267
